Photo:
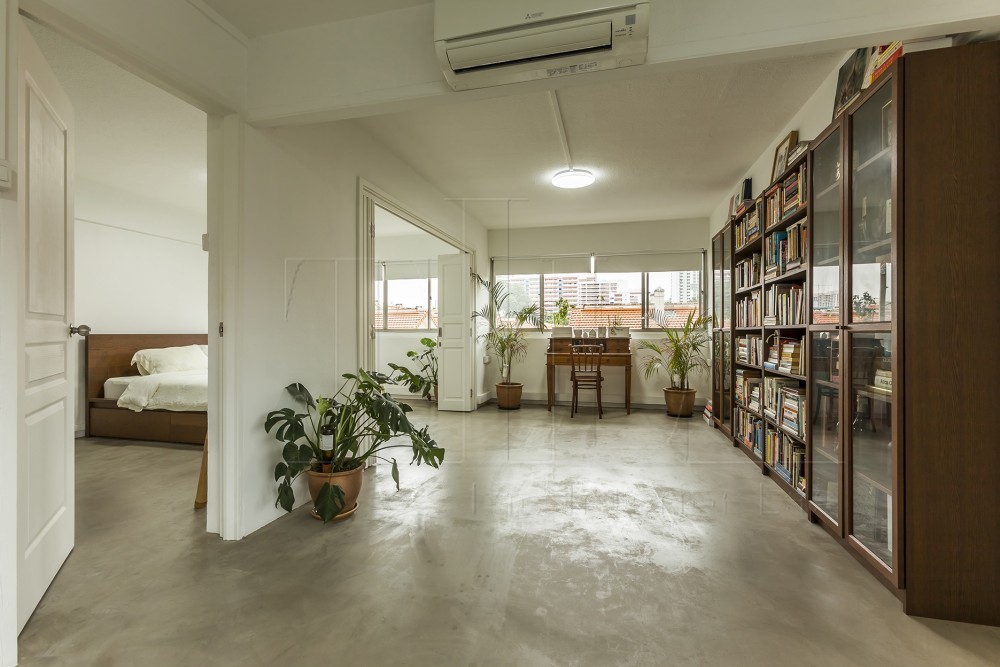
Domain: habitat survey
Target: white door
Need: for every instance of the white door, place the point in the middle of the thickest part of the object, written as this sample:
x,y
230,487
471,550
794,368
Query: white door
x,y
47,372
455,346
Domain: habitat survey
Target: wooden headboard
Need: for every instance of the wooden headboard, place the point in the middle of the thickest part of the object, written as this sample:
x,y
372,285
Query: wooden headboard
x,y
110,355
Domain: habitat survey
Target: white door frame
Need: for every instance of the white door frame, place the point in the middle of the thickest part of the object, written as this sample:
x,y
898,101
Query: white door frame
x,y
369,197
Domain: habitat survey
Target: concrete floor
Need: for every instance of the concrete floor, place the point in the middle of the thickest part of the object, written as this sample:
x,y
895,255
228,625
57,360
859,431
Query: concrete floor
x,y
634,540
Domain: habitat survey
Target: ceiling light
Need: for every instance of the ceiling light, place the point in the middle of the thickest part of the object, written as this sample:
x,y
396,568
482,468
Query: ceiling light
x,y
573,178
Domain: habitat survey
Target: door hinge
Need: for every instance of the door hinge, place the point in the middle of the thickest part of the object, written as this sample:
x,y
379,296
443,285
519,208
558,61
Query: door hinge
x,y
220,329
470,393
373,230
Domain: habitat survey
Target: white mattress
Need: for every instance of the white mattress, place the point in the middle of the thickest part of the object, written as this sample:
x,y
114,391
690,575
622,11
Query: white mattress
x,y
115,387
181,391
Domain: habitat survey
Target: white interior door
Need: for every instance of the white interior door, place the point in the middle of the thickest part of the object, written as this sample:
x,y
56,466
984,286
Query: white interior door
x,y
46,373
455,345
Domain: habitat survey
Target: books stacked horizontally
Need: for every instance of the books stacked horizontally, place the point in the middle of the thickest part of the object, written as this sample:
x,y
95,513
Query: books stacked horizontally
x,y
772,395
793,192
793,410
748,271
773,356
883,379
707,413
749,349
791,356
784,304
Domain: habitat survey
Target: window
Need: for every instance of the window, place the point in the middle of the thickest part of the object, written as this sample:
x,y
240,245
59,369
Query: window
x,y
634,299
406,295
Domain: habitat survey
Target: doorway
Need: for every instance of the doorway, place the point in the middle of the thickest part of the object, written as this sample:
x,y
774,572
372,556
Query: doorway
x,y
137,215
416,295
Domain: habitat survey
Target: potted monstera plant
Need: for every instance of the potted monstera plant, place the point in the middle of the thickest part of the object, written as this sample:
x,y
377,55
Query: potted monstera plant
x,y
506,337
679,353
334,437
425,381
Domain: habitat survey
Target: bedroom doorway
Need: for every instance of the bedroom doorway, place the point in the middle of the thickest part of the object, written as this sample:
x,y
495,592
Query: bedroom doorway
x,y
141,273
417,288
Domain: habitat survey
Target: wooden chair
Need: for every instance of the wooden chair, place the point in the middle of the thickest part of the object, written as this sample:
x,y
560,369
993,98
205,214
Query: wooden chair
x,y
586,364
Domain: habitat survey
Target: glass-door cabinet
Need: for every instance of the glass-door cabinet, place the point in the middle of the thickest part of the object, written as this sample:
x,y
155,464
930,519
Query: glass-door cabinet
x,y
721,331
853,462
825,457
872,461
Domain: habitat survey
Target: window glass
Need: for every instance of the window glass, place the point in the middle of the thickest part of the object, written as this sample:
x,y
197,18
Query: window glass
x,y
673,295
523,290
588,300
407,304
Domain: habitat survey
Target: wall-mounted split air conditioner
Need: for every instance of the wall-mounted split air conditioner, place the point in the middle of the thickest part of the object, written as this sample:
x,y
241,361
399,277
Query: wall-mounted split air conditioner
x,y
491,43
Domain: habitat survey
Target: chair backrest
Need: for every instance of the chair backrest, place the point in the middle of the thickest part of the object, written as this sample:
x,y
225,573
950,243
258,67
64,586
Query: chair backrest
x,y
585,358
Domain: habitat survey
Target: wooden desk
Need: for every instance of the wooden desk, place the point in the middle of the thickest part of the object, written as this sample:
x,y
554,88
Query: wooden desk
x,y
617,352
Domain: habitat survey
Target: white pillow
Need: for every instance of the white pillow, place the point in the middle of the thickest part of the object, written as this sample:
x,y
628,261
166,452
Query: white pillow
x,y
170,359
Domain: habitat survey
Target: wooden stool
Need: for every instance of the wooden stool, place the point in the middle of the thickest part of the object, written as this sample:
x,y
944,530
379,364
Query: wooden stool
x,y
201,495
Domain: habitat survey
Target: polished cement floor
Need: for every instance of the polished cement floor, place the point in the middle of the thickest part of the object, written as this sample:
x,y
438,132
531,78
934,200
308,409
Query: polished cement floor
x,y
544,540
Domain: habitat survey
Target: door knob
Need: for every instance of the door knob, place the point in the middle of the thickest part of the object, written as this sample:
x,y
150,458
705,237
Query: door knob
x,y
82,330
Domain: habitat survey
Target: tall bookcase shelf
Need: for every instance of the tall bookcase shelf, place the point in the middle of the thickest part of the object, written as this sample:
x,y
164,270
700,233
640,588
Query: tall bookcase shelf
x,y
836,306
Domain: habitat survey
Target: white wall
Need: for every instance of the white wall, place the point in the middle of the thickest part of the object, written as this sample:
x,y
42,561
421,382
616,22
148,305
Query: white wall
x,y
392,346
299,199
623,237
809,121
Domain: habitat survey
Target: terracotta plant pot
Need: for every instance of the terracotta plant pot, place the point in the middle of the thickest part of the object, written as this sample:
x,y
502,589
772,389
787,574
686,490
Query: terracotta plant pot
x,y
509,395
680,402
350,481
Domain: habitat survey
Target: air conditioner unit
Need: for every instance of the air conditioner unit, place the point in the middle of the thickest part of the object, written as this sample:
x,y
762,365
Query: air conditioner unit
x,y
483,43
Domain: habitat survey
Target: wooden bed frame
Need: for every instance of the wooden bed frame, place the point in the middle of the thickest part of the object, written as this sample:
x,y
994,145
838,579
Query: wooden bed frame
x,y
110,355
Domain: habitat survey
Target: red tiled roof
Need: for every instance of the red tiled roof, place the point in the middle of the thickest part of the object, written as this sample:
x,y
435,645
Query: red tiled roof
x,y
825,318
405,318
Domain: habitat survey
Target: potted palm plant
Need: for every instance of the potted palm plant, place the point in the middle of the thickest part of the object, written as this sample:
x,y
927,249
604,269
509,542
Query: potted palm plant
x,y
679,353
334,437
506,337
424,382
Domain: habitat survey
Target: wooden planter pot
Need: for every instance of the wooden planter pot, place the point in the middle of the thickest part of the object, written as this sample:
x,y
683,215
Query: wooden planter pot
x,y
680,402
509,395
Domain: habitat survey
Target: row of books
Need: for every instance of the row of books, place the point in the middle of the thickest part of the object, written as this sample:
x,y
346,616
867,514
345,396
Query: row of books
x,y
748,228
784,304
750,430
786,250
786,457
748,389
786,198
750,349
748,271
792,411
772,387
749,310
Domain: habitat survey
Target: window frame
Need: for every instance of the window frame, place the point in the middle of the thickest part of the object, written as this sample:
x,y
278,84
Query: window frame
x,y
645,293
385,298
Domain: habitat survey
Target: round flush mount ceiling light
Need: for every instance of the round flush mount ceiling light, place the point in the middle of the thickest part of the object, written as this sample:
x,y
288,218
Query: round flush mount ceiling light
x,y
573,178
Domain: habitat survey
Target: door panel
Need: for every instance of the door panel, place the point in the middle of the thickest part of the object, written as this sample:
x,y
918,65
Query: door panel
x,y
46,512
455,337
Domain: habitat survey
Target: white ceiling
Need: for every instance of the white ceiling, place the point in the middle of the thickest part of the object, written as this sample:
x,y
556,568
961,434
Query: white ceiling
x,y
663,147
130,135
260,17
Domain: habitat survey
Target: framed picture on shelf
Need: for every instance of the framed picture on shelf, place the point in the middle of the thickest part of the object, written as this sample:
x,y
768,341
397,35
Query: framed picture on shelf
x,y
781,154
850,79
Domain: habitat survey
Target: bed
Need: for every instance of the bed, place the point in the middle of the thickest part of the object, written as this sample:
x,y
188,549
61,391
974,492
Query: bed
x,y
164,407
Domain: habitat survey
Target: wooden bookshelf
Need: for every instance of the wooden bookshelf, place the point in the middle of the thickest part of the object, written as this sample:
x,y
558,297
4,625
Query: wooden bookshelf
x,y
901,474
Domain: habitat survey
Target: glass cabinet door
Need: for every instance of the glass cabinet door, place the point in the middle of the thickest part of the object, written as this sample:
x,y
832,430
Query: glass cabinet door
x,y
872,149
717,262
826,223
871,442
824,422
727,386
727,277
